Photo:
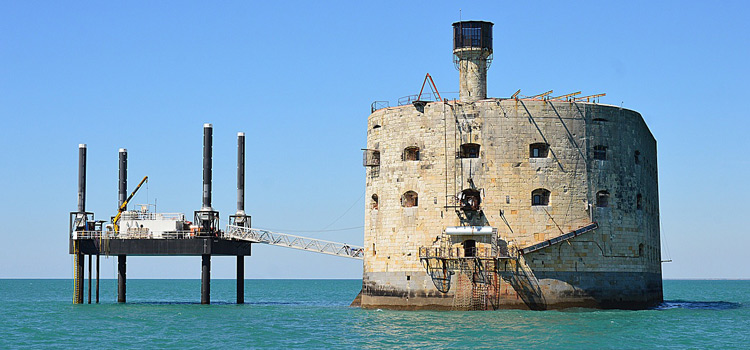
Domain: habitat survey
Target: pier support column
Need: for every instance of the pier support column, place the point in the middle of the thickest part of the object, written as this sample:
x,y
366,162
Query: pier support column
x,y
79,278
206,279
121,278
90,275
240,279
97,278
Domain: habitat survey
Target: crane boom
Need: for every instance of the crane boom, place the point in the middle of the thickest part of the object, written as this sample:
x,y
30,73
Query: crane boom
x,y
587,98
542,95
515,95
566,96
125,203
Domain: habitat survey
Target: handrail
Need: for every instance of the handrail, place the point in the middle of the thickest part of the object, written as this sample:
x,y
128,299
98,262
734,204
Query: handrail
x,y
140,215
457,252
135,235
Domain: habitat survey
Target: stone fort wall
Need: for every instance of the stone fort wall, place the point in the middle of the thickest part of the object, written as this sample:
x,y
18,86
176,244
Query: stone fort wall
x,y
616,265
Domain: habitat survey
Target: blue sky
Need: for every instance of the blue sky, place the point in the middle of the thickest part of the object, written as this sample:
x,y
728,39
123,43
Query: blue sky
x,y
299,77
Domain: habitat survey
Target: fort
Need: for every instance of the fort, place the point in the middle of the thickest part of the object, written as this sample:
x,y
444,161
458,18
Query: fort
x,y
534,202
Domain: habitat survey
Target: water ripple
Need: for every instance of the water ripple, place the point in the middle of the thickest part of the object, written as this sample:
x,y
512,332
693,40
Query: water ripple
x,y
698,305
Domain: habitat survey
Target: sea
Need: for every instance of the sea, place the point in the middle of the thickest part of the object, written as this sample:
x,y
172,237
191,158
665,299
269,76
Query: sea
x,y
299,314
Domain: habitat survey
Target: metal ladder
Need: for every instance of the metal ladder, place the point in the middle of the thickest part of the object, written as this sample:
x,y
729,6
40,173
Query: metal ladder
x,y
77,283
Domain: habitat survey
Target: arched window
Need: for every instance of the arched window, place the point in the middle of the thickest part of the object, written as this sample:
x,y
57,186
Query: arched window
x,y
639,202
411,153
540,196
640,249
470,199
374,202
410,199
469,150
538,150
600,152
637,156
602,199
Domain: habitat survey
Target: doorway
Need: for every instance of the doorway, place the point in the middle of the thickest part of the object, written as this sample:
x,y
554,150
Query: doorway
x,y
470,248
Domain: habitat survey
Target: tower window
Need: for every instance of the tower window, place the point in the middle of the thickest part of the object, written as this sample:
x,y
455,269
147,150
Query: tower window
x,y
602,199
540,196
410,199
411,153
374,202
600,152
639,202
538,150
371,157
637,156
469,150
470,199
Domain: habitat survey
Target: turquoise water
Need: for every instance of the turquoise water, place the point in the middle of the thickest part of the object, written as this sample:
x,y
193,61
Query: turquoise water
x,y
315,314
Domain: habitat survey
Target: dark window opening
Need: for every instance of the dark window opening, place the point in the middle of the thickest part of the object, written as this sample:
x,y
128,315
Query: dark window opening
x,y
376,126
470,248
375,201
639,202
637,156
540,196
538,150
602,199
640,249
600,120
371,157
470,199
410,199
469,150
600,152
411,153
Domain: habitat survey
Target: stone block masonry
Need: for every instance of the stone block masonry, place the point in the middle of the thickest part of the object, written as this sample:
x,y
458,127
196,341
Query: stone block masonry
x,y
599,165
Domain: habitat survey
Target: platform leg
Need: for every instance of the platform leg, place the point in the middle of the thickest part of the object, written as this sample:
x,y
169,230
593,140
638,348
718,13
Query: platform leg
x,y
90,275
206,279
240,279
121,278
97,278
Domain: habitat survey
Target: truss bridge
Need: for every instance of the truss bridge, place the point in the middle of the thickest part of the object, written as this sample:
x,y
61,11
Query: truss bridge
x,y
254,235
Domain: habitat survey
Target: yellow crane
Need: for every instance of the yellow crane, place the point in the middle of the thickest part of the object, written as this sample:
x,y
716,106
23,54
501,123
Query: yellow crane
x,y
125,204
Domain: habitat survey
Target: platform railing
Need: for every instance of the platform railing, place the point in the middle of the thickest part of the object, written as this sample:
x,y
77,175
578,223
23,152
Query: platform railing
x,y
134,235
456,252
255,235
138,215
